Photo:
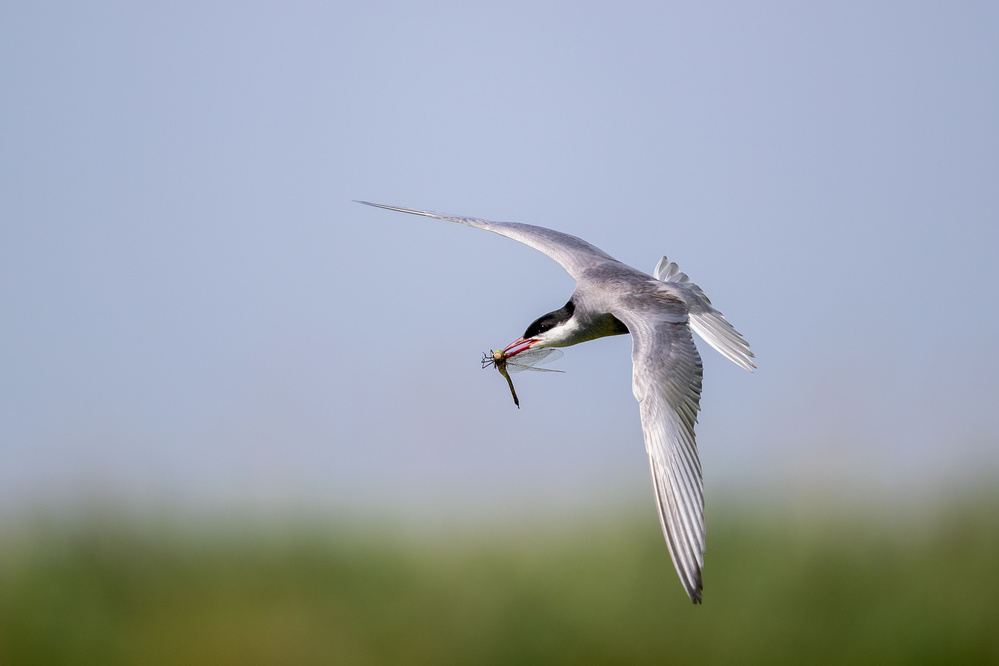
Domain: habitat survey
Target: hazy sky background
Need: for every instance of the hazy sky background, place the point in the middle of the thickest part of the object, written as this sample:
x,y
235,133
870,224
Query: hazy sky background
x,y
194,314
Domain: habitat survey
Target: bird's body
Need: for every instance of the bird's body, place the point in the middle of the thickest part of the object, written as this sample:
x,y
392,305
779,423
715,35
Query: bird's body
x,y
659,312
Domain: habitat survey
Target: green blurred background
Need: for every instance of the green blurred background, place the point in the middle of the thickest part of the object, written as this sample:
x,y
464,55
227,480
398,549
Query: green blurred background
x,y
785,585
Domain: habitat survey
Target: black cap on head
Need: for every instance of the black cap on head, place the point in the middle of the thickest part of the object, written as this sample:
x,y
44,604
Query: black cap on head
x,y
550,320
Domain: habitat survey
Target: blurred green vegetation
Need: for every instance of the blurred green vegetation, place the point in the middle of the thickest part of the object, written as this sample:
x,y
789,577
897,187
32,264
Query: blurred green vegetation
x,y
781,587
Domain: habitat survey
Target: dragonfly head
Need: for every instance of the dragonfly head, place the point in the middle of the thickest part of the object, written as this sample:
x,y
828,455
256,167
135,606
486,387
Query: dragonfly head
x,y
489,359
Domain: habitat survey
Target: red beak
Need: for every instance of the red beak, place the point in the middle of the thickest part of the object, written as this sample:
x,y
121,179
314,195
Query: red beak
x,y
518,345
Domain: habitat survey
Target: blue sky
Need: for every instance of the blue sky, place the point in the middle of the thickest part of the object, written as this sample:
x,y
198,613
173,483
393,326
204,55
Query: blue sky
x,y
194,312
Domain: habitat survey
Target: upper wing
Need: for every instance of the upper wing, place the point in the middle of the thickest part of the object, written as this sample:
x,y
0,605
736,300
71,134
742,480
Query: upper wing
x,y
666,381
574,254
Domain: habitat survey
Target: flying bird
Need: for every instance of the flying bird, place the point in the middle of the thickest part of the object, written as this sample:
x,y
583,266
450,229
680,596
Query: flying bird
x,y
659,311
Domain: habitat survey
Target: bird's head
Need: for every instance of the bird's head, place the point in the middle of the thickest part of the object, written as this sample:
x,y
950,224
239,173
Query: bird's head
x,y
554,329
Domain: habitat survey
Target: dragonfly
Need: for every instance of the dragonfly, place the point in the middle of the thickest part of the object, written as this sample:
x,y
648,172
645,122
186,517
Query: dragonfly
x,y
525,360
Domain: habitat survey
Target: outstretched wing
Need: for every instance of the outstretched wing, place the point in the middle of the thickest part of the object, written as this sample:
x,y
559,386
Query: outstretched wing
x,y
666,380
574,254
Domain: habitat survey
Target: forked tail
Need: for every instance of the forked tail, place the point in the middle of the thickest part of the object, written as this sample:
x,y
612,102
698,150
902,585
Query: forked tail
x,y
705,320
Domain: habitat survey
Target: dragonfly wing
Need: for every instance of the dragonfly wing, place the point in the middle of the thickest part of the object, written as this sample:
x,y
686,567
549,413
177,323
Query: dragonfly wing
x,y
513,367
537,356
526,360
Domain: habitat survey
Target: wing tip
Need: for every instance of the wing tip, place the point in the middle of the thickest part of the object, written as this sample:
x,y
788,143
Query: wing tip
x,y
386,206
693,586
425,213
696,591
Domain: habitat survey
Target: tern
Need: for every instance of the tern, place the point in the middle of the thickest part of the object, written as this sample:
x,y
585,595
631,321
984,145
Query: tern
x,y
659,311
